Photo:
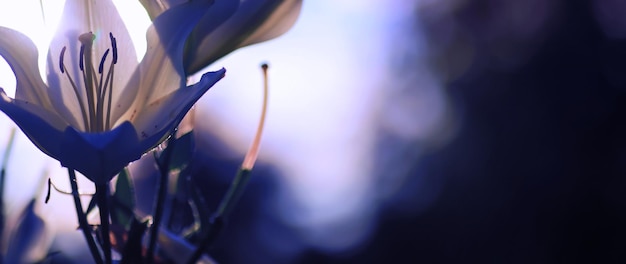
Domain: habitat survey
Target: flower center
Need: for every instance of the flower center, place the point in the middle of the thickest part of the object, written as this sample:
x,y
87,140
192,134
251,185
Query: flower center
x,y
96,111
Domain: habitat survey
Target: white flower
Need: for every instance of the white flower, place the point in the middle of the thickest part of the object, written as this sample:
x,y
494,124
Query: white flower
x,y
100,109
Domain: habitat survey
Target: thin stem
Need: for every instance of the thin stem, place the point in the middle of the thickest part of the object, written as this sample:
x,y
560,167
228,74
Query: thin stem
x,y
102,198
164,168
231,197
234,192
5,162
226,206
82,219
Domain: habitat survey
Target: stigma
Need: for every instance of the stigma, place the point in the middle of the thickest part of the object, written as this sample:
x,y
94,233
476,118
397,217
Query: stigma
x,y
93,86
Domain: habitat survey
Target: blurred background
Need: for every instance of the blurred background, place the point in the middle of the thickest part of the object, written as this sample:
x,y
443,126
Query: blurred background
x,y
449,131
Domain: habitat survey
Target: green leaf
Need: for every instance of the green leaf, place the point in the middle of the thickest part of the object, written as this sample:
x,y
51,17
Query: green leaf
x,y
123,201
181,152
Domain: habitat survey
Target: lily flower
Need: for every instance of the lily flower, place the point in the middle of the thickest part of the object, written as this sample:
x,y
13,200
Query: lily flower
x,y
230,24
99,108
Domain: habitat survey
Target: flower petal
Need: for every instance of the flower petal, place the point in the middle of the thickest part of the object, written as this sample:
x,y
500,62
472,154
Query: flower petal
x,y
159,118
42,127
215,16
156,7
280,16
161,70
100,156
254,21
79,17
21,54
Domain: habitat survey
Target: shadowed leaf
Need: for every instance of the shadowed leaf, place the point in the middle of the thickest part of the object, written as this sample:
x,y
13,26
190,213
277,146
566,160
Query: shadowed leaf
x,y
123,201
27,242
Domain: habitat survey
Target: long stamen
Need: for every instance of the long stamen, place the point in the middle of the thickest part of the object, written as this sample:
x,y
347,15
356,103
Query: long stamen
x,y
101,92
108,86
253,152
104,57
111,74
110,99
86,50
78,97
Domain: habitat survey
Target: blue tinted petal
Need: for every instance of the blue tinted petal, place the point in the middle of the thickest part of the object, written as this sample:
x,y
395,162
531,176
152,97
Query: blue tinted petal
x,y
214,17
43,128
155,122
254,21
100,156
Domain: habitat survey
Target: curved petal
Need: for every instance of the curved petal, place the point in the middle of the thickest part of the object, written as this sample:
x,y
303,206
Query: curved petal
x,y
254,21
215,16
155,122
156,7
161,70
42,127
21,54
280,18
79,17
100,156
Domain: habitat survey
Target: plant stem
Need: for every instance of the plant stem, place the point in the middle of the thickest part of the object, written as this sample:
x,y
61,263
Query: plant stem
x,y
102,198
230,199
82,219
158,209
163,164
5,162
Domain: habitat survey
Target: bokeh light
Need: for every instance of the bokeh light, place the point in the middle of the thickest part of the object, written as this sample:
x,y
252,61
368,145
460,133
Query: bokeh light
x,y
440,131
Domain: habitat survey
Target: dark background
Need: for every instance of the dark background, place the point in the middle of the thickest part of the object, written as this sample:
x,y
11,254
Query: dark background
x,y
536,171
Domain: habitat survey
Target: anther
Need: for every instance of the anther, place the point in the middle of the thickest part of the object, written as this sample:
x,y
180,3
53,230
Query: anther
x,y
49,183
104,57
114,47
61,59
81,61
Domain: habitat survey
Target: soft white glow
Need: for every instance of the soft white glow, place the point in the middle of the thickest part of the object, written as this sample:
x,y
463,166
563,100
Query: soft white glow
x,y
328,76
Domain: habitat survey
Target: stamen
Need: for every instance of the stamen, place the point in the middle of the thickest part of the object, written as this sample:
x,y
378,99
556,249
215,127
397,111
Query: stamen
x,y
104,57
80,101
108,84
89,75
96,109
107,125
61,59
253,152
114,47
